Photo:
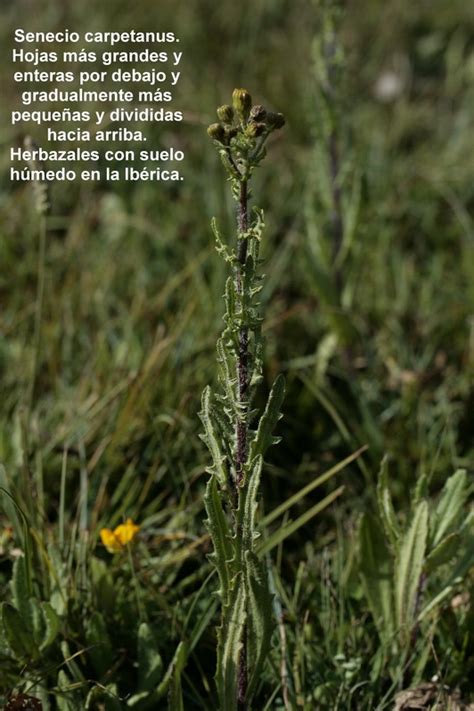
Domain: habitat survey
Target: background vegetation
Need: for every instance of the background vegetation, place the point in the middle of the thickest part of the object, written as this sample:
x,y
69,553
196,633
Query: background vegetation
x,y
376,340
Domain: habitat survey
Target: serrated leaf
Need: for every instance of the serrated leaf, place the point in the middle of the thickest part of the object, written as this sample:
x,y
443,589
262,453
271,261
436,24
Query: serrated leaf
x,y
450,504
18,636
230,635
260,618
263,438
150,664
409,567
377,576
218,527
221,247
248,502
211,438
386,510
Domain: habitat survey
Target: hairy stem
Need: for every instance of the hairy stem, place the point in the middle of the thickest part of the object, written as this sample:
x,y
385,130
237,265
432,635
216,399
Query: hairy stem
x,y
242,385
242,360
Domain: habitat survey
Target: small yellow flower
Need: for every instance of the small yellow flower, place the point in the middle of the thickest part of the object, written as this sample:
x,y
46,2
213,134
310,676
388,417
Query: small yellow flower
x,y
116,540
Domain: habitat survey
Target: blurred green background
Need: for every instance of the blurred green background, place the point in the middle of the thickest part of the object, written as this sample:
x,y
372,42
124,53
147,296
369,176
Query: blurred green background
x,y
377,341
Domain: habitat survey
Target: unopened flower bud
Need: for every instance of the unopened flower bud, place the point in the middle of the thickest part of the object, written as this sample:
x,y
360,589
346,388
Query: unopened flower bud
x,y
255,129
258,113
275,120
242,102
225,113
230,132
217,132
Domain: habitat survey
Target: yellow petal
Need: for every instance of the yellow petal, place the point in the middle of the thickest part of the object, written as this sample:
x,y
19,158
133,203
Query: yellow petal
x,y
126,532
110,541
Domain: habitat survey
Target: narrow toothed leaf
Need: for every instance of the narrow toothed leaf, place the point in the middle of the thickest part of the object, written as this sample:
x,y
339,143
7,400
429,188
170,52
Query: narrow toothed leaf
x,y
230,640
260,617
218,526
263,438
211,438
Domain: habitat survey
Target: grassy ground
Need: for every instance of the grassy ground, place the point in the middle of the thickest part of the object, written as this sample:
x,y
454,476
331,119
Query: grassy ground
x,y
377,348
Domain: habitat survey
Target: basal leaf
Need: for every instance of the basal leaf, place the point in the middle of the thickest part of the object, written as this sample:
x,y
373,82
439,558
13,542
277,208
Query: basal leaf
x,y
409,566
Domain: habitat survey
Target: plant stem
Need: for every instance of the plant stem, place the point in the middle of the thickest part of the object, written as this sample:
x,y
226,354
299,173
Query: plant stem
x,y
38,315
242,385
242,360
337,226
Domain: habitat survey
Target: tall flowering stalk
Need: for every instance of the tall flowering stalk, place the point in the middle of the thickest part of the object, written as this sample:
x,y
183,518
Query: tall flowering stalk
x,y
236,439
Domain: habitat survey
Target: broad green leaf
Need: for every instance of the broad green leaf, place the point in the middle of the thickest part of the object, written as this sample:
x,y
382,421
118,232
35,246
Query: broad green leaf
x,y
377,576
36,622
106,698
409,566
98,640
21,592
150,664
452,500
443,552
68,698
386,510
218,527
17,634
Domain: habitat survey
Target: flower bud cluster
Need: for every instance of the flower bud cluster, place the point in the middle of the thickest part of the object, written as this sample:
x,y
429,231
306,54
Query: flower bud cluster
x,y
244,120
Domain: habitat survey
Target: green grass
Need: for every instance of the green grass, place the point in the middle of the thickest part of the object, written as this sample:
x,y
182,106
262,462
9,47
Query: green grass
x,y
132,311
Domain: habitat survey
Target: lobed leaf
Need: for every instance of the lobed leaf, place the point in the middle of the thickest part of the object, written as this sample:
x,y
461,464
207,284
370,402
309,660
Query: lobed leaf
x,y
211,438
263,437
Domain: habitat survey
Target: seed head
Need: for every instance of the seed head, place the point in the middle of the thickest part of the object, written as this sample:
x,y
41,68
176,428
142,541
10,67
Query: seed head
x,y
225,113
217,132
258,113
242,102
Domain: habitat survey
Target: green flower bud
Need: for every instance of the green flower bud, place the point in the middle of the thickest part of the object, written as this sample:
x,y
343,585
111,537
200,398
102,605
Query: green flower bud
x,y
255,129
217,132
225,113
275,120
258,113
242,102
